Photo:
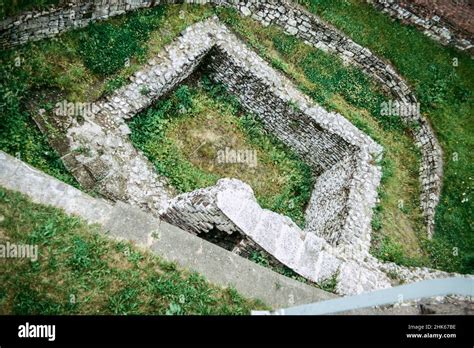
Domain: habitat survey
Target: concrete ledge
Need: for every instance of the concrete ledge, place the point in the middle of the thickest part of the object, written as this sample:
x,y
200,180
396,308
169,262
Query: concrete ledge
x,y
125,222
222,267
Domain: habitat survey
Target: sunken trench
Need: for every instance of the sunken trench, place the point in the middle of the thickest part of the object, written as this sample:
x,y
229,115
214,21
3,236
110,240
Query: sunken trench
x,y
342,160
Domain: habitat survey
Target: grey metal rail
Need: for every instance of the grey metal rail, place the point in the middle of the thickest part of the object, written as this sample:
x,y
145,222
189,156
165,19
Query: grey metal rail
x,y
423,289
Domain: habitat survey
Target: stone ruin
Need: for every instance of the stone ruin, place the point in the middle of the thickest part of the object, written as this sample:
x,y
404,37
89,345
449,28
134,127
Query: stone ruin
x,y
335,243
448,22
294,20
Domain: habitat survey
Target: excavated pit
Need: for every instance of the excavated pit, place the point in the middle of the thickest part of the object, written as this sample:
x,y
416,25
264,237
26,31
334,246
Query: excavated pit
x,y
336,240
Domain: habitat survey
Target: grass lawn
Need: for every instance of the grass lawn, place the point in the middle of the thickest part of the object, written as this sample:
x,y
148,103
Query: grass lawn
x,y
80,271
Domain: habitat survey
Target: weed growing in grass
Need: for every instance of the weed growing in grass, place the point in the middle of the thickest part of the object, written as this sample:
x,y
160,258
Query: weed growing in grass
x,y
114,84
330,284
392,251
259,258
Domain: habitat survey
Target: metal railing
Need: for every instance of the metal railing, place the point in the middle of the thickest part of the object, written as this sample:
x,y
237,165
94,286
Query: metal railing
x,y
424,289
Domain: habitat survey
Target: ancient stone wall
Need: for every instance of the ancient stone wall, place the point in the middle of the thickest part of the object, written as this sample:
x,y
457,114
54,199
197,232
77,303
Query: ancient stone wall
x,y
97,150
280,238
337,237
280,114
324,140
37,25
433,24
196,212
337,243
295,21
339,202
110,165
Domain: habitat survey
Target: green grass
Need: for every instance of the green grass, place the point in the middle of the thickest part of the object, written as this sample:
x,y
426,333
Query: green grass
x,y
183,135
445,95
107,47
79,271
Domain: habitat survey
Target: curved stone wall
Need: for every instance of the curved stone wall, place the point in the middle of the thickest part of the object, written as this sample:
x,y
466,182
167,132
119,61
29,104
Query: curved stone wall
x,y
433,25
297,21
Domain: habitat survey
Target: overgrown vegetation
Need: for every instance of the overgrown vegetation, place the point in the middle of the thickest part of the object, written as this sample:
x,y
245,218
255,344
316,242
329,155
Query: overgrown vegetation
x,y
59,68
442,78
79,271
185,135
10,8
106,47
